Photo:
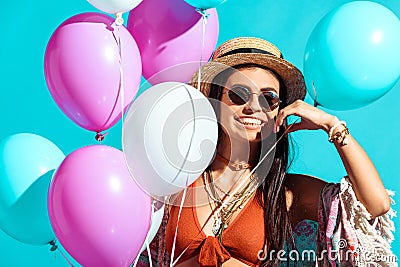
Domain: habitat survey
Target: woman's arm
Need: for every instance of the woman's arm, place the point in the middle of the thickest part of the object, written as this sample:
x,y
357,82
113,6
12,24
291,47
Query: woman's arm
x,y
366,181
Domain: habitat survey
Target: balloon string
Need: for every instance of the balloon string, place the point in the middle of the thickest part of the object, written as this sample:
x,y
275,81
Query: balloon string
x,y
204,16
191,138
198,234
121,78
204,21
148,252
226,199
54,247
136,261
66,258
116,35
153,210
193,109
172,263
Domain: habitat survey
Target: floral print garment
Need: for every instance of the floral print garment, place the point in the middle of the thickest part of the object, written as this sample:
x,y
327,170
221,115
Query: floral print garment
x,y
347,236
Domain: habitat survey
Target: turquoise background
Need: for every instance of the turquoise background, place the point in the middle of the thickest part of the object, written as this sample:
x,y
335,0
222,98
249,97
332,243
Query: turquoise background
x,y
26,105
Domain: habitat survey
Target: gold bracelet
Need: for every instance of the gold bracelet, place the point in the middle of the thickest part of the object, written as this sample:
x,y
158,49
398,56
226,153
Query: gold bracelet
x,y
340,136
330,133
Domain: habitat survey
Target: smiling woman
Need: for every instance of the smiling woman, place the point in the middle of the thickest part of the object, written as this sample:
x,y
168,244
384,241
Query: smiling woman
x,y
245,209
252,94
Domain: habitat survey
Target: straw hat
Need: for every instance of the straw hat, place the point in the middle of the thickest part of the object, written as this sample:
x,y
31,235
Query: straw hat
x,y
250,50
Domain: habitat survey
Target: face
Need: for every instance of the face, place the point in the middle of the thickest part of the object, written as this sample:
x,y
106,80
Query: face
x,y
252,120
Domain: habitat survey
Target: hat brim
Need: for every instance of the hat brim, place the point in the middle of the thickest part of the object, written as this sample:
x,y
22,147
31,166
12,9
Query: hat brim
x,y
290,75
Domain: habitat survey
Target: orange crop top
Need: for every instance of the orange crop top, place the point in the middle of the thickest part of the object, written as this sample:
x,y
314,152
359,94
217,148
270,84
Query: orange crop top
x,y
242,240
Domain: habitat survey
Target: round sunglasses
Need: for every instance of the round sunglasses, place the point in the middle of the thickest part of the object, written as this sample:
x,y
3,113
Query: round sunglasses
x,y
240,95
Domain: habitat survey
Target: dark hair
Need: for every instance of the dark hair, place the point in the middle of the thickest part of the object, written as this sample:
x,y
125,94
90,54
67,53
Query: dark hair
x,y
271,193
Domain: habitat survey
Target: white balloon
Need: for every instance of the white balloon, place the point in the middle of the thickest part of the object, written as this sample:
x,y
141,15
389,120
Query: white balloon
x,y
115,6
156,220
169,137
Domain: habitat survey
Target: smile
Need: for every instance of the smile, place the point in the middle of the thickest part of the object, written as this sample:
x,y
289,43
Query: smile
x,y
251,123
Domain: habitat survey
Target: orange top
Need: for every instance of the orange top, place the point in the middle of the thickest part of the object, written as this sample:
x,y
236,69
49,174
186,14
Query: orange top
x,y
242,240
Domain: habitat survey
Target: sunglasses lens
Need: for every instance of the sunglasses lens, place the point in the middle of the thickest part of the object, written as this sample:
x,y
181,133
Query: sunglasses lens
x,y
239,95
269,100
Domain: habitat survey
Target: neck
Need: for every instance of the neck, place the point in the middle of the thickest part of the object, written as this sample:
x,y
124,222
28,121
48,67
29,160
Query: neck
x,y
225,171
237,152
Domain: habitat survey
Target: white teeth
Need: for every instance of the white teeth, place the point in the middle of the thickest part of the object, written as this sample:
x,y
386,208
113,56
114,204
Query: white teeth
x,y
252,121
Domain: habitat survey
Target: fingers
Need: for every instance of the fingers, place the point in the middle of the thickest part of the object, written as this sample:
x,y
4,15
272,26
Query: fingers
x,y
293,109
294,127
312,118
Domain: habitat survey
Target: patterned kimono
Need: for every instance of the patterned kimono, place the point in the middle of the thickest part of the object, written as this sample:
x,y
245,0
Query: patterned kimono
x,y
344,235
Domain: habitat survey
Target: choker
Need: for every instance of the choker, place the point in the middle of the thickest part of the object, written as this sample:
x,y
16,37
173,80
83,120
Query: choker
x,y
236,165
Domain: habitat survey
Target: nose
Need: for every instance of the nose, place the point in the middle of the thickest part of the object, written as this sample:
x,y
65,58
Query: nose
x,y
253,104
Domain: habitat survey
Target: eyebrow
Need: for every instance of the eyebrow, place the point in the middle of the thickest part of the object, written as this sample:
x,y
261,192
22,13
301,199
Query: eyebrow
x,y
269,89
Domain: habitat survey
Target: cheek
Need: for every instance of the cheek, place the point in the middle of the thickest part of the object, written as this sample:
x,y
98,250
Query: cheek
x,y
226,115
227,120
227,109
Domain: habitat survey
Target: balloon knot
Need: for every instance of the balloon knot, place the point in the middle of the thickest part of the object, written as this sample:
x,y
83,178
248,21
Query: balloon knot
x,y
315,95
203,12
53,245
118,19
100,137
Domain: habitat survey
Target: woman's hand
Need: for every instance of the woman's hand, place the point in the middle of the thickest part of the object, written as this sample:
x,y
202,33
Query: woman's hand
x,y
366,182
312,118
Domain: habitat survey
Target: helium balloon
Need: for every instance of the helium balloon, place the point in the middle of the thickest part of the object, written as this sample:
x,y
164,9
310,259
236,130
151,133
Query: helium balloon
x,y
170,34
98,213
169,137
352,57
87,77
27,163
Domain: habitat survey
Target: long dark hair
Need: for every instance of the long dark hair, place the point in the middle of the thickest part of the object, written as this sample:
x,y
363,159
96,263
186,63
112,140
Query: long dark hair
x,y
271,193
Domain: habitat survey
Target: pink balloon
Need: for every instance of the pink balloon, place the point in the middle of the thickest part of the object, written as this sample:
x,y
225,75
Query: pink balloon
x,y
82,69
97,211
169,35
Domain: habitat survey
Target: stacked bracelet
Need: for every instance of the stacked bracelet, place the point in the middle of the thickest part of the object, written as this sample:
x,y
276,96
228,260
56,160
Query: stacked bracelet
x,y
339,136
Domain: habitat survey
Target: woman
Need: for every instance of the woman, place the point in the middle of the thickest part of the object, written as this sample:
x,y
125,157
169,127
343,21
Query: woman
x,y
246,210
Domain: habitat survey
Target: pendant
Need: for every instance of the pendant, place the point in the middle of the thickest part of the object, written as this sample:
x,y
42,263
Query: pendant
x,y
217,226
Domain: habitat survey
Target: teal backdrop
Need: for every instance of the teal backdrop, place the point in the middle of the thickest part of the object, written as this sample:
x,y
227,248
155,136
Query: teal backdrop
x,y
26,105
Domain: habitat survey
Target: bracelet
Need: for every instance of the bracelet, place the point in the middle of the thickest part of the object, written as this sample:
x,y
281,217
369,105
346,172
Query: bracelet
x,y
334,127
340,136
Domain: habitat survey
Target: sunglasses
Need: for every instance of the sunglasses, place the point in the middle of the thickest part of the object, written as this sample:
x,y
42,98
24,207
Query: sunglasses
x,y
240,95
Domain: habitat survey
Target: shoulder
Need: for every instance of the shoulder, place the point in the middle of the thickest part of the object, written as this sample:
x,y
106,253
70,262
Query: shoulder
x,y
305,192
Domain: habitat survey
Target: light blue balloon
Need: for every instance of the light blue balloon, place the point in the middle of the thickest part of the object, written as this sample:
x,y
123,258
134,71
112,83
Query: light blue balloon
x,y
27,163
352,55
204,4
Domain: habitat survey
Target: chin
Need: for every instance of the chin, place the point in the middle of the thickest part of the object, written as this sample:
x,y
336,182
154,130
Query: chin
x,y
254,137
249,136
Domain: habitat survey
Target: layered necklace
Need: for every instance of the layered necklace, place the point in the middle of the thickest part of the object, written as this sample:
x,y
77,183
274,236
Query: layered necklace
x,y
223,211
